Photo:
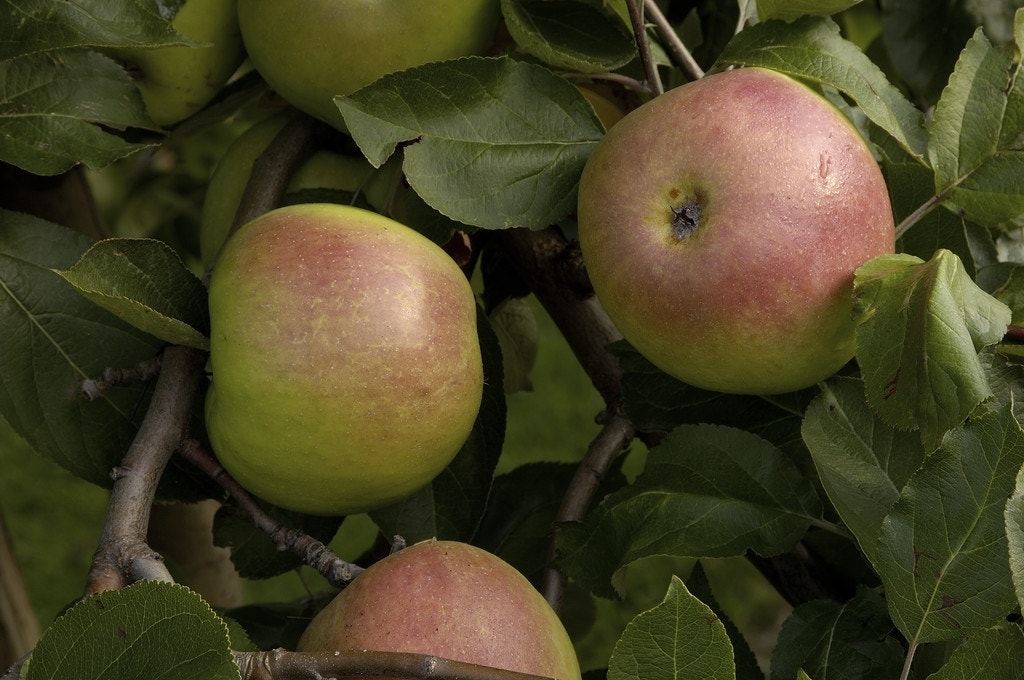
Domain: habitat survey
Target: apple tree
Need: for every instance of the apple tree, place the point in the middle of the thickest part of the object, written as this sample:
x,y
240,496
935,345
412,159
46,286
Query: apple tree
x,y
880,510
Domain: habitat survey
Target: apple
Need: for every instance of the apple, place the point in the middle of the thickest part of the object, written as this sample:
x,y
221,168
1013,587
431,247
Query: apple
x,y
447,599
346,367
325,169
176,82
309,51
721,224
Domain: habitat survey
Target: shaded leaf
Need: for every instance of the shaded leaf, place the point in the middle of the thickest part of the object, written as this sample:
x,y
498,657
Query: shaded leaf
x,y
811,48
145,283
495,142
992,654
569,34
679,638
706,491
942,551
146,630
918,347
795,9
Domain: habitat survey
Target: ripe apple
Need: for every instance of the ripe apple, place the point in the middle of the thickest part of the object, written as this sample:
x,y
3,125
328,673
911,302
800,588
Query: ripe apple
x,y
447,599
721,224
346,367
309,51
325,169
176,82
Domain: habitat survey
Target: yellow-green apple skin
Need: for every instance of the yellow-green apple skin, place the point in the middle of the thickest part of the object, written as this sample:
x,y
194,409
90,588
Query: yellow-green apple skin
x,y
176,82
325,169
310,51
346,366
447,599
721,224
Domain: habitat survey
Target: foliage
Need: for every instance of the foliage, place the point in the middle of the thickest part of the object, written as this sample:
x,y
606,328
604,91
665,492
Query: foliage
x,y
886,505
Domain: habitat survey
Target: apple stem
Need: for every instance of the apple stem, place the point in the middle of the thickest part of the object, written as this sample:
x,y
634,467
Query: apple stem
x,y
678,54
643,46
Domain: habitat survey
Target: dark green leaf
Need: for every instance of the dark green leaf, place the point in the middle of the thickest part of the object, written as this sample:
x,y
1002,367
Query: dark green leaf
x,y
569,34
679,638
706,491
942,551
840,640
794,9
146,284
918,347
992,654
147,630
812,49
495,142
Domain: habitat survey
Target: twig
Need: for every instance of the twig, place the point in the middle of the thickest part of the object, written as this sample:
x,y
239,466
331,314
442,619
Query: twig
x,y
313,552
636,17
123,555
279,664
94,388
676,49
605,448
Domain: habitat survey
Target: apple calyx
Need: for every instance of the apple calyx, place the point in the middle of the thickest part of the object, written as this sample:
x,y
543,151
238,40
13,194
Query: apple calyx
x,y
686,219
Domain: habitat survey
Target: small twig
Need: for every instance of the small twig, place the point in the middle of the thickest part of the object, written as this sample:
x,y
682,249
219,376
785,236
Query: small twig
x,y
313,552
643,46
94,388
913,218
122,555
674,46
279,664
625,81
1014,334
605,448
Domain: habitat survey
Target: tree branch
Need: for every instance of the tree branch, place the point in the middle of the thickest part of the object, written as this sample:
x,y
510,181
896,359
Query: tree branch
x,y
636,17
123,555
279,664
676,49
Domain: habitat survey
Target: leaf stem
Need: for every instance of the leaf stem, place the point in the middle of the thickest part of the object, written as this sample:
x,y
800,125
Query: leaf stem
x,y
911,650
674,46
643,46
913,218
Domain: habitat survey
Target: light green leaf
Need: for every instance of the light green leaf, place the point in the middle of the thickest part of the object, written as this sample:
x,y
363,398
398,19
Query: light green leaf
x,y
942,552
838,640
862,462
976,140
812,49
569,34
918,347
495,142
992,654
145,283
147,630
679,638
794,9
30,26
1014,518
706,491
58,109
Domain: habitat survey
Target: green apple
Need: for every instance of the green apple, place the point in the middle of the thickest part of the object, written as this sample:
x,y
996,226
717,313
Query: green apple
x,y
721,224
447,599
176,82
346,367
325,169
309,51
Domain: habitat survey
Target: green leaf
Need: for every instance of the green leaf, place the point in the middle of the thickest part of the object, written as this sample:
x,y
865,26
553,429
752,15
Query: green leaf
x,y
494,142
789,10
57,109
992,654
144,282
452,505
569,34
918,348
29,26
147,630
51,340
862,462
706,491
679,638
976,140
1014,519
812,49
943,552
838,640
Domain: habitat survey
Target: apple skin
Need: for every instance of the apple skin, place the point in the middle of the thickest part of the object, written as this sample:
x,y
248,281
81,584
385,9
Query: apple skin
x,y
310,51
788,201
447,599
176,82
324,170
346,367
